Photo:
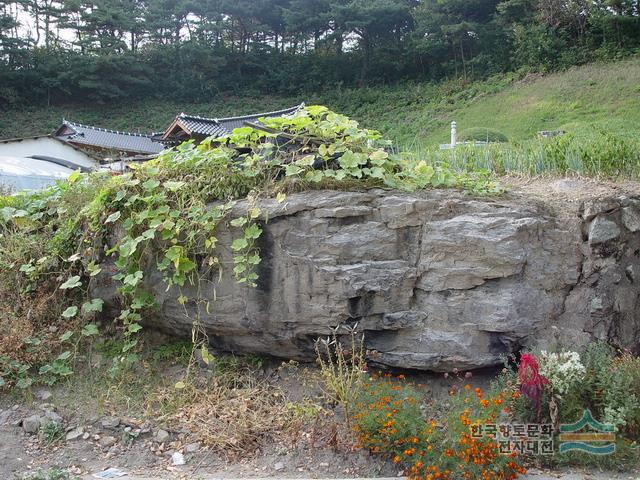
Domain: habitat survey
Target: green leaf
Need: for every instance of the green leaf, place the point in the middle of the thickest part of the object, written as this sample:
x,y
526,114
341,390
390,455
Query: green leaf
x,y
206,356
239,222
66,336
129,246
306,161
378,157
239,244
70,312
151,184
292,170
253,259
133,278
377,172
72,282
64,355
314,176
180,385
113,217
73,178
24,382
148,234
173,186
348,160
134,327
90,330
95,305
252,232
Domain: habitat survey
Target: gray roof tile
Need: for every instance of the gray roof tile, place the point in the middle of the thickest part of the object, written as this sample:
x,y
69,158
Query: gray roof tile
x,y
223,126
78,133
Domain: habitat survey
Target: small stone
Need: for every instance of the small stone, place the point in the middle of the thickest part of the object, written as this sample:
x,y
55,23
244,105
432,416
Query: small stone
x,y
85,436
108,441
192,447
53,417
43,395
110,422
278,467
75,434
162,436
31,424
630,273
602,230
594,207
596,304
631,219
177,459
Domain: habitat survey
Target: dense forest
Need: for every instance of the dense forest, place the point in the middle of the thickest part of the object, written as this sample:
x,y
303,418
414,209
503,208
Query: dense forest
x,y
60,51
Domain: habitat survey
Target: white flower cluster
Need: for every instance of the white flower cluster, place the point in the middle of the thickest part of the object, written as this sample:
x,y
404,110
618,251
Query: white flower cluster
x,y
562,370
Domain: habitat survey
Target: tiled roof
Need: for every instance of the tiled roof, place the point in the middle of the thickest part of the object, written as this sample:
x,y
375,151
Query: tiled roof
x,y
204,126
109,139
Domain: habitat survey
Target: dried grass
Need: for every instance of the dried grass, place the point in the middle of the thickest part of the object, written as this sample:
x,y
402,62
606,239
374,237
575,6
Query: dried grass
x,y
231,413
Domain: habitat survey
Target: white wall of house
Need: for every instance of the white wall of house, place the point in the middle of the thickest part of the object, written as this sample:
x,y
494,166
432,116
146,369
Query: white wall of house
x,y
45,146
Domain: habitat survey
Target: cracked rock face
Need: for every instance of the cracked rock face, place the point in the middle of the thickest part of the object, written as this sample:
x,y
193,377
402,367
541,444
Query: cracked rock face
x,y
436,280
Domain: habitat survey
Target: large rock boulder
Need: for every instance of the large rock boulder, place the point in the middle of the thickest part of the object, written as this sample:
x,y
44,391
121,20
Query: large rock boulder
x,y
436,280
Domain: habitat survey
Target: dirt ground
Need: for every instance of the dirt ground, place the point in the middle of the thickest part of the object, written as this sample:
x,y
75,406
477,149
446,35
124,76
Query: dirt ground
x,y
314,450
566,195
320,449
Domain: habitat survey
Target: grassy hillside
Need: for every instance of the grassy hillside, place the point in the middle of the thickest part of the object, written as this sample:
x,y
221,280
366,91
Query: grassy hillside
x,y
600,96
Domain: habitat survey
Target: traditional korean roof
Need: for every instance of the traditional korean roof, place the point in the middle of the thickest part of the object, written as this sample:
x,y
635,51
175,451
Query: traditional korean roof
x,y
191,125
79,134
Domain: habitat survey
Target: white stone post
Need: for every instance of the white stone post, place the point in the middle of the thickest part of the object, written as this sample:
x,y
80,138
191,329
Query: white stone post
x,y
454,134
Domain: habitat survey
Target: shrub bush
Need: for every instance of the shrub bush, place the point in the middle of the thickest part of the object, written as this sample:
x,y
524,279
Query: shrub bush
x,y
601,380
480,134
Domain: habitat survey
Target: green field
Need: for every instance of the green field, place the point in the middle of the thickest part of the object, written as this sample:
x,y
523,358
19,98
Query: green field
x,y
592,102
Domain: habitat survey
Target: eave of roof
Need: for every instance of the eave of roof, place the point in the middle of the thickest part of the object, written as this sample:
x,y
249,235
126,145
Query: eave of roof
x,y
108,139
20,139
197,125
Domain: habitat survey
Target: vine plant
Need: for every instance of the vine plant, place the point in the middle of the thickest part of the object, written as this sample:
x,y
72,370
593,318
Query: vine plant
x,y
163,217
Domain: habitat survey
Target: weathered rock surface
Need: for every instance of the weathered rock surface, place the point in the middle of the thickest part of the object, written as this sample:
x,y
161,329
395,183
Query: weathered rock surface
x,y
437,280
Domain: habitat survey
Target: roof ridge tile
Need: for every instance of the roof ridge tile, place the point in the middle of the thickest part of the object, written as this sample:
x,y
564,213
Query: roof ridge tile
x,y
107,130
